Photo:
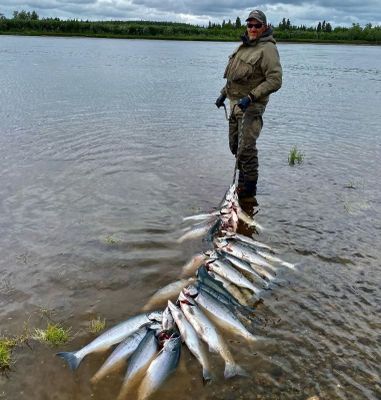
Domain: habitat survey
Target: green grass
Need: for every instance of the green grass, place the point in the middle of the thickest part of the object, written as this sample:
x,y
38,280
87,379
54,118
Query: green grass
x,y
7,344
5,354
295,156
54,334
97,324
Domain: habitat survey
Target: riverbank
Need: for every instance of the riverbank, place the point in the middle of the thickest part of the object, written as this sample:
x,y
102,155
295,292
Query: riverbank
x,y
197,38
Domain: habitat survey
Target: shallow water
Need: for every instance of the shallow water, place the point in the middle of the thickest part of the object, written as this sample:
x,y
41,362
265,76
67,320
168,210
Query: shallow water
x,y
107,144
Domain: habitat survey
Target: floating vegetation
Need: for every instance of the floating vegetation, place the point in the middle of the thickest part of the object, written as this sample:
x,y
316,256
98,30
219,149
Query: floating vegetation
x,y
110,240
96,325
54,334
350,185
295,156
46,312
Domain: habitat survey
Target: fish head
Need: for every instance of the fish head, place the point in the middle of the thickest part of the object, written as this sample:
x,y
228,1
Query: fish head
x,y
213,256
227,236
155,316
168,321
225,210
185,299
219,242
155,326
173,343
174,309
191,291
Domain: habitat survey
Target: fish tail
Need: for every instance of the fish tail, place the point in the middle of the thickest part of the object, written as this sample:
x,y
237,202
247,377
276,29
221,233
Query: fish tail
x,y
233,370
288,265
71,358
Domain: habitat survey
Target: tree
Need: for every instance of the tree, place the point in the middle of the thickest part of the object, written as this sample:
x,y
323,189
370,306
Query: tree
x,y
288,24
328,27
319,27
238,23
34,16
323,26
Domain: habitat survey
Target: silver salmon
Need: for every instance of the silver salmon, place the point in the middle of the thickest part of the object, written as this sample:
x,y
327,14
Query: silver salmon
x,y
191,339
109,338
161,367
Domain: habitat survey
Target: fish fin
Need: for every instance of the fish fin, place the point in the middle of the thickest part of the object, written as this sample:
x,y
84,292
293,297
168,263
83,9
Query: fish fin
x,y
212,350
71,358
206,376
233,370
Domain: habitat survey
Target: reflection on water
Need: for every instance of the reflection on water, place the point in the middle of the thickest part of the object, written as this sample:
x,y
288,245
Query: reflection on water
x,y
107,144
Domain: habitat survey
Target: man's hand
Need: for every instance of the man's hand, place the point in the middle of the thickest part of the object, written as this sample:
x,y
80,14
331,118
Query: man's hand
x,y
244,103
220,100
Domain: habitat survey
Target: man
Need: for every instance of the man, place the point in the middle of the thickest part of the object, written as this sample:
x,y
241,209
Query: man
x,y
252,74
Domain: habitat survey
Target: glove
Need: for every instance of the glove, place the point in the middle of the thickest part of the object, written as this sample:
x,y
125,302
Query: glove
x,y
220,100
244,103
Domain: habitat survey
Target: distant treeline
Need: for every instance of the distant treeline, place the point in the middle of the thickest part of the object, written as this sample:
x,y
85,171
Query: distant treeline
x,y
29,23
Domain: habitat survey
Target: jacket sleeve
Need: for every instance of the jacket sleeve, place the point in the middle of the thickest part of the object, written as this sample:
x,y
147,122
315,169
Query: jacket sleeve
x,y
272,71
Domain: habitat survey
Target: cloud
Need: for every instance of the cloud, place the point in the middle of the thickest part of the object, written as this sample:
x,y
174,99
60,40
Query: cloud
x,y
337,12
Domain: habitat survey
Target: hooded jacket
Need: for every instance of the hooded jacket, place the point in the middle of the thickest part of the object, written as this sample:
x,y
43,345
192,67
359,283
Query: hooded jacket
x,y
254,68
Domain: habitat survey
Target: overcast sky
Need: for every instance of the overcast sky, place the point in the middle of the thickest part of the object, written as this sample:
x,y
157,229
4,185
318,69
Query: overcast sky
x,y
337,12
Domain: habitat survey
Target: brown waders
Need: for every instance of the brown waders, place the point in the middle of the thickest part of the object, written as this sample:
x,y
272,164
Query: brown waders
x,y
244,146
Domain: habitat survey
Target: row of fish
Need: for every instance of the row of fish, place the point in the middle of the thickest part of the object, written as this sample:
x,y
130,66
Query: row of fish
x,y
229,280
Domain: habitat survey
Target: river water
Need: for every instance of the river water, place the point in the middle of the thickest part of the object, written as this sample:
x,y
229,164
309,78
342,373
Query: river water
x,y
107,144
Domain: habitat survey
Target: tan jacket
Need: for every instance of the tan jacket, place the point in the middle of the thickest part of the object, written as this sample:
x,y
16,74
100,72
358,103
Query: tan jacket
x,y
254,68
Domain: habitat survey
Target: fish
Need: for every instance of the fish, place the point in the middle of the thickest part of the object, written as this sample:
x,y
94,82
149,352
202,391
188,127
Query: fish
x,y
189,336
213,230
208,333
273,258
169,291
221,313
242,311
233,290
139,362
243,252
195,262
248,240
206,278
245,218
160,368
168,323
112,336
201,217
196,232
121,353
244,266
217,295
227,271
230,195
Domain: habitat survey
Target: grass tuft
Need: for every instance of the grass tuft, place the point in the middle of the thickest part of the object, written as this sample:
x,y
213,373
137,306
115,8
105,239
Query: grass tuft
x,y
7,345
5,354
97,324
295,156
54,334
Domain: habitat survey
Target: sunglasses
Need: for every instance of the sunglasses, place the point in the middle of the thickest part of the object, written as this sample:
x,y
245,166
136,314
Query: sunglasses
x,y
256,26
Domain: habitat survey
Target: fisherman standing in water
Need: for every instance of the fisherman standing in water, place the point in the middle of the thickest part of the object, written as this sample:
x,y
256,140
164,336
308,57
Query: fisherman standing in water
x,y
252,74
